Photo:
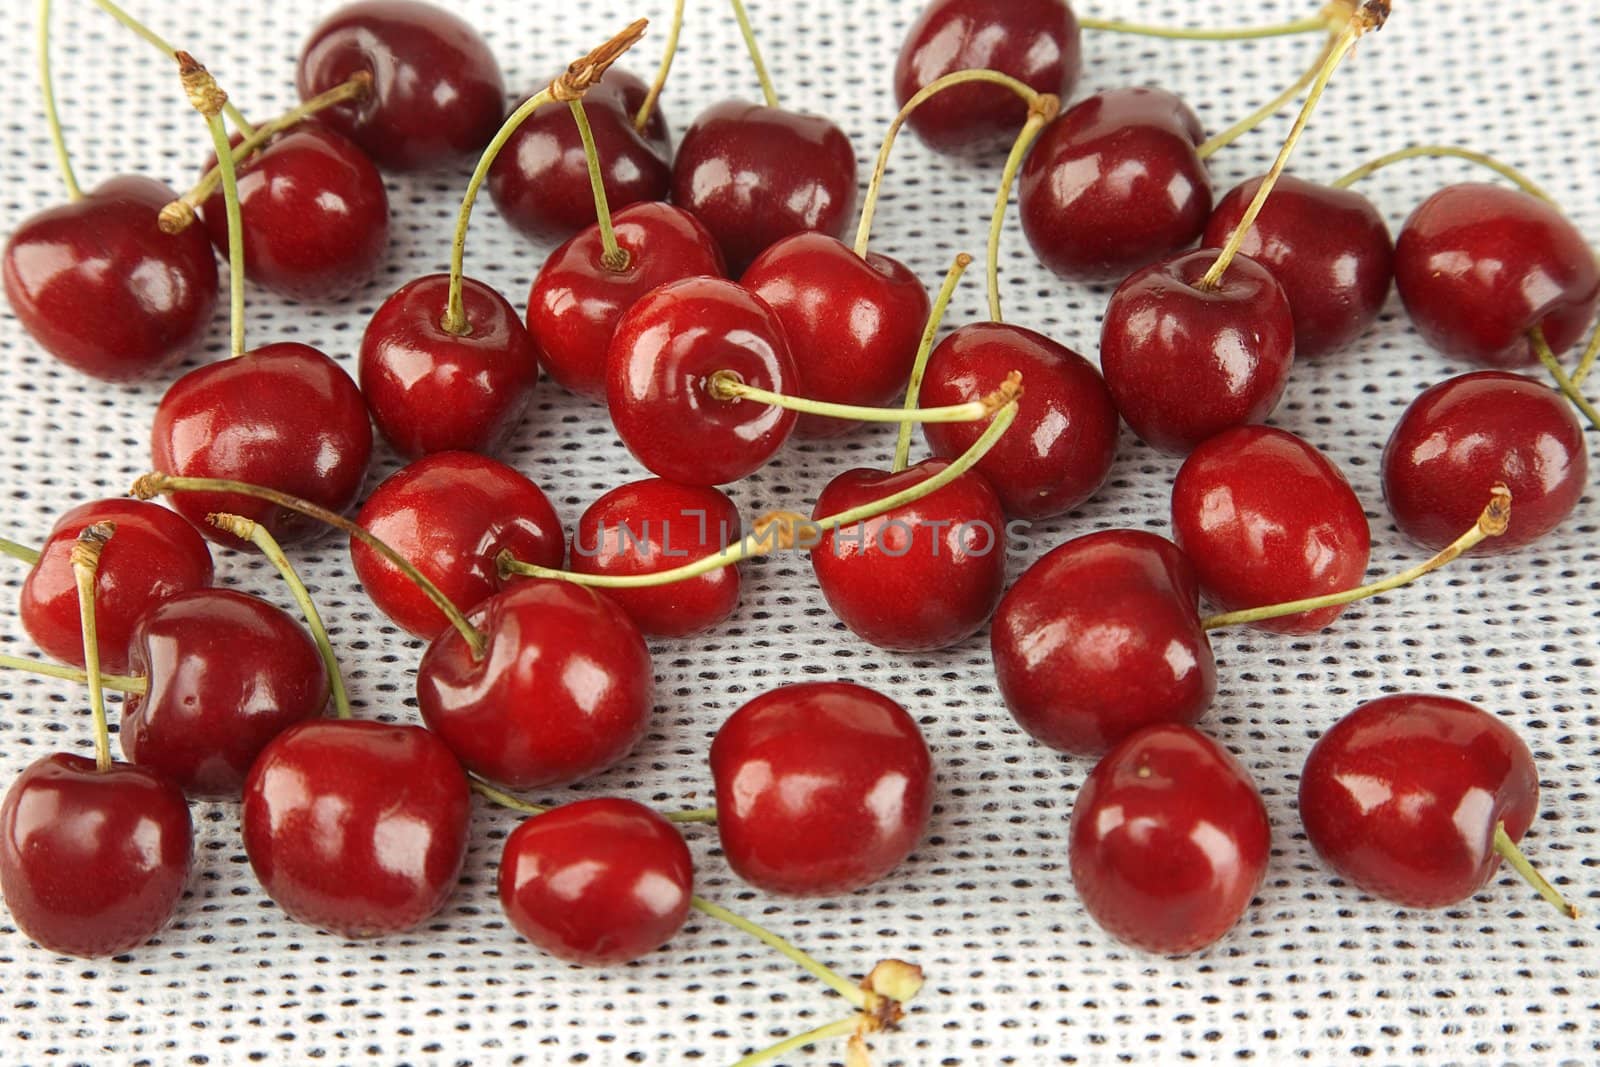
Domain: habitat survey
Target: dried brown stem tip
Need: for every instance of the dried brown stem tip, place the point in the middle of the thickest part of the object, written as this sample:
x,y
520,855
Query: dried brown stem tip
x,y
238,525
785,531
1371,15
91,542
580,76
1497,516
204,94
176,217
1009,390
1046,106
148,486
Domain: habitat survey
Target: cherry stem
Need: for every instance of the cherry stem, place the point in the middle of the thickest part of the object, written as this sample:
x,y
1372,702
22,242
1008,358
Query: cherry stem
x,y
27,555
1492,522
1045,108
149,35
1443,151
755,53
1213,145
823,973
85,567
52,119
207,98
613,256
1586,363
1509,852
155,483
727,385
516,803
258,535
838,1028
120,683
642,119
1331,15
902,444
1569,387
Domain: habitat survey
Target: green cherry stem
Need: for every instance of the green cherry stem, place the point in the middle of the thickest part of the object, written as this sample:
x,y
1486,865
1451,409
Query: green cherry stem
x,y
52,119
743,17
642,119
1513,856
1217,143
1443,151
85,567
516,803
613,256
1568,386
837,1028
1333,14
826,975
727,385
1044,108
156,41
1587,361
902,444
10,548
207,98
120,683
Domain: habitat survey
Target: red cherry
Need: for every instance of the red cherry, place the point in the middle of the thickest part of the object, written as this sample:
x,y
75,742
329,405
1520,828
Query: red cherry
x,y
653,525
562,692
1100,638
436,90
597,882
822,788
93,863
430,390
1183,362
1479,266
1464,435
450,514
359,828
102,289
1169,841
1266,518
853,324
1035,41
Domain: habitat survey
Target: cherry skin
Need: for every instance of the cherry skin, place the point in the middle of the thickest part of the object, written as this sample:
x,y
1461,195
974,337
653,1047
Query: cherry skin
x,y
654,525
540,179
1114,184
666,348
283,416
1479,266
154,555
1402,795
563,691
925,575
1169,841
93,863
449,515
1185,363
853,324
1329,248
1465,434
756,174
576,300
102,289
359,828
436,90
1059,450
597,882
226,673
1100,638
822,788
430,390
1266,518
1035,41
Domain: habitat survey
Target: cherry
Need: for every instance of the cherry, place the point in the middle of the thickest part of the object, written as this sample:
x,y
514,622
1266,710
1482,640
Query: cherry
x,y
450,514
822,788
1265,517
436,92
1169,840
1465,434
597,882
1101,637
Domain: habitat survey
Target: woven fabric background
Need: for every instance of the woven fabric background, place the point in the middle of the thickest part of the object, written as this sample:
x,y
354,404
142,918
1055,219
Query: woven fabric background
x,y
1018,973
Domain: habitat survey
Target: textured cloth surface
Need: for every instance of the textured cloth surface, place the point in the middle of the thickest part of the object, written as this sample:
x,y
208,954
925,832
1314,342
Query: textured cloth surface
x,y
1018,973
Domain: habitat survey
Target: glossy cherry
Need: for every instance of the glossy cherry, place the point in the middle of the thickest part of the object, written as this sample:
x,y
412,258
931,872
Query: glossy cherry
x,y
436,91
1169,841
597,882
1465,434
822,788
359,828
102,289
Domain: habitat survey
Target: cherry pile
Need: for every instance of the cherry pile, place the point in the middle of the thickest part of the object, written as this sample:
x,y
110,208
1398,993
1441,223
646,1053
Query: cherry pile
x,y
705,295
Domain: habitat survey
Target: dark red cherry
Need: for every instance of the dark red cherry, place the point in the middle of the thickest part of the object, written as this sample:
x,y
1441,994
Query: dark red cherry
x,y
92,863
436,91
226,673
1464,435
666,348
597,882
1169,841
563,691
102,289
1266,518
283,416
921,576
1114,184
1060,448
822,788
540,179
654,525
1101,637
155,554
1185,363
430,390
359,828
449,515
576,300
1329,248
1479,266
1035,41
756,174
853,324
